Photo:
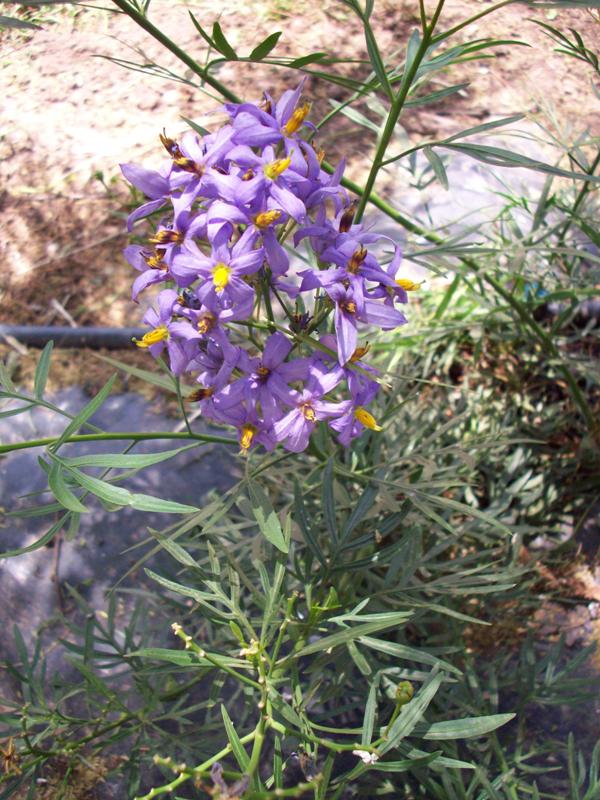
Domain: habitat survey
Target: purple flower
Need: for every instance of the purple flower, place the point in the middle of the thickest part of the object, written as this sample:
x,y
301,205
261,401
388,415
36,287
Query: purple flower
x,y
155,185
161,336
266,380
295,428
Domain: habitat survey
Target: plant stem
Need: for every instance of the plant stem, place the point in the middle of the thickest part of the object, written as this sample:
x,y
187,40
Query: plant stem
x,y
451,31
395,111
130,435
141,20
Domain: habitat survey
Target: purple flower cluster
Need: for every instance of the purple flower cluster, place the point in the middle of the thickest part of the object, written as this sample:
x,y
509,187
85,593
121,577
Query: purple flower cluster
x,y
233,310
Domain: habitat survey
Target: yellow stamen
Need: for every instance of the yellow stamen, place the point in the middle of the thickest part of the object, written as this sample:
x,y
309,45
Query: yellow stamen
x,y
266,218
349,307
308,412
408,285
277,167
159,334
206,322
188,165
360,352
246,438
200,394
296,120
263,371
221,274
368,420
248,175
167,237
347,218
356,259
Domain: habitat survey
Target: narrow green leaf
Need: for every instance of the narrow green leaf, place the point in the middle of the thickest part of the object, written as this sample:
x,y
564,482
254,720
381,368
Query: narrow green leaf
x,y
412,713
85,413
241,756
485,126
13,22
360,510
118,496
328,500
41,542
405,652
222,44
370,712
265,516
143,374
183,658
433,97
41,371
304,522
194,126
405,764
345,636
264,48
437,165
124,460
60,490
202,32
297,63
462,728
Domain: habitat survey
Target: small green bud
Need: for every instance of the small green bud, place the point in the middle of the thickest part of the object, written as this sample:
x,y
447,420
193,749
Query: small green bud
x,y
404,693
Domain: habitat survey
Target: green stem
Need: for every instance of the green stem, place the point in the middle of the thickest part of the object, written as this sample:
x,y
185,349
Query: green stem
x,y
129,435
451,31
395,111
199,770
203,73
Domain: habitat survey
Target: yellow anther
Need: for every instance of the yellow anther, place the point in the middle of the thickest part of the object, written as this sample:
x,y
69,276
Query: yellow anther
x,y
200,394
266,218
349,306
277,167
356,259
368,420
221,274
167,237
207,321
246,438
296,120
159,334
308,412
360,352
408,285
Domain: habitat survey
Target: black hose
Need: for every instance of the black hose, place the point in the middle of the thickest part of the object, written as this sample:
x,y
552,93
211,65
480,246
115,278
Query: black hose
x,y
39,335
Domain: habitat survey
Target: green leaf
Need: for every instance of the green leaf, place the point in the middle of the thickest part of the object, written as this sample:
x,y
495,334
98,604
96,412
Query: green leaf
x,y
183,658
433,97
328,500
221,43
149,377
505,158
345,636
462,728
303,521
407,653
194,126
405,764
370,712
485,126
60,490
41,542
241,756
303,60
13,22
412,713
265,516
437,166
124,460
412,49
117,495
41,371
202,32
264,48
85,413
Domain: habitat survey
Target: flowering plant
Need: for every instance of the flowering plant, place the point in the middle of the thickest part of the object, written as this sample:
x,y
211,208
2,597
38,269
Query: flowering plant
x,y
237,198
